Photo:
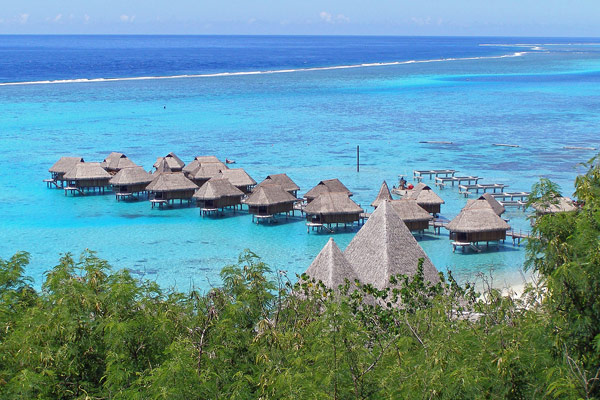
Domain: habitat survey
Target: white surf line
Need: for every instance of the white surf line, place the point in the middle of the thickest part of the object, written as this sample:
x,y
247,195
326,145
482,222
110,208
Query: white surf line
x,y
244,73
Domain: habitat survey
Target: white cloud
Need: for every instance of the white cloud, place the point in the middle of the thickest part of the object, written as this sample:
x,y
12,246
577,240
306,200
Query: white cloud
x,y
57,18
23,18
421,21
325,16
330,19
342,18
127,18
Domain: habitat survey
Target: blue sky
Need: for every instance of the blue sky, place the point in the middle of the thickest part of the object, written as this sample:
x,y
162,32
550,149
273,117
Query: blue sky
x,y
374,17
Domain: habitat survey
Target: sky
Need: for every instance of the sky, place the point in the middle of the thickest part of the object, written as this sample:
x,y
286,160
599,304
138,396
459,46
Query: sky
x,y
325,17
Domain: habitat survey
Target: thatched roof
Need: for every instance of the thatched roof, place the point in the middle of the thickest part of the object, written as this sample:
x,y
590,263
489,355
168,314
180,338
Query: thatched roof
x,y
282,180
131,176
171,182
560,204
162,167
199,161
207,171
332,203
410,211
331,267
477,220
86,171
116,161
329,185
237,176
64,164
384,247
217,188
173,161
486,200
424,195
384,194
208,160
267,195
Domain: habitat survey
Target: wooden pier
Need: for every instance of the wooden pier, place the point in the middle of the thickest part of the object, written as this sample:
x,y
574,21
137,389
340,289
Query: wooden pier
x,y
419,174
469,188
441,181
517,236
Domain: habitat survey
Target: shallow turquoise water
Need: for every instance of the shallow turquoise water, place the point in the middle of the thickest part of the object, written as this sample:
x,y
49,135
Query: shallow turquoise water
x,y
306,124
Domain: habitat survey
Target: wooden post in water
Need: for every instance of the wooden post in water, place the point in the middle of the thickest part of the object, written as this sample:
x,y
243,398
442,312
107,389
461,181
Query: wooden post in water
x,y
357,158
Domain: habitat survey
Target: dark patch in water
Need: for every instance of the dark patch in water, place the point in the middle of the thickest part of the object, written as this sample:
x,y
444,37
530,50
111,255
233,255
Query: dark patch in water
x,y
130,216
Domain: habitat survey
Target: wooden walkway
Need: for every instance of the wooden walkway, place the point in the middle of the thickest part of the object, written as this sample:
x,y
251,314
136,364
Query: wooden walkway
x,y
441,181
418,174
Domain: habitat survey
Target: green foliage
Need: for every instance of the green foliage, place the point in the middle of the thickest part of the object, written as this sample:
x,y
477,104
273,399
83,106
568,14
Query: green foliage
x,y
565,251
94,333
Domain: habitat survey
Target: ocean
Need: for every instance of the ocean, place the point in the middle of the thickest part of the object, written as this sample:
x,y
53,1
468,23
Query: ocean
x,y
293,104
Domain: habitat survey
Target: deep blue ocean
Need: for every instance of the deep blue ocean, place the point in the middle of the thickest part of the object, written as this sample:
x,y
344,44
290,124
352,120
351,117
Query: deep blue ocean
x,y
298,105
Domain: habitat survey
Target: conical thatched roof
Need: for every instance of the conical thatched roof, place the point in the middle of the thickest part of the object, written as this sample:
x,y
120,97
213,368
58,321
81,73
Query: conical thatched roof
x,y
171,182
424,195
86,171
477,220
131,176
282,180
162,167
65,164
173,161
486,200
207,171
331,267
560,204
267,195
384,194
217,188
329,185
332,203
199,161
384,247
410,211
116,161
208,160
237,176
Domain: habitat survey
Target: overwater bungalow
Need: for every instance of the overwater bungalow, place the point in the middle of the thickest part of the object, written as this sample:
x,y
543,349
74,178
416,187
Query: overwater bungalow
x,y
329,185
162,167
425,198
477,225
332,208
331,267
238,178
486,200
557,205
192,168
58,170
167,187
269,200
116,162
175,164
86,176
205,173
130,181
413,215
217,194
282,180
384,247
383,195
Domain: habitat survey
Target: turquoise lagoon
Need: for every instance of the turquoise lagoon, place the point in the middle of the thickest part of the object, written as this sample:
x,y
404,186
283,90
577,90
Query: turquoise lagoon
x,y
306,124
